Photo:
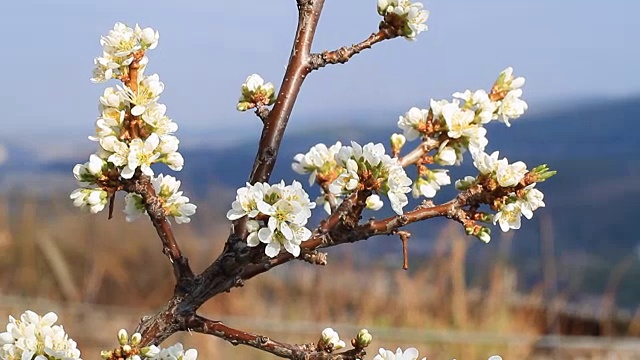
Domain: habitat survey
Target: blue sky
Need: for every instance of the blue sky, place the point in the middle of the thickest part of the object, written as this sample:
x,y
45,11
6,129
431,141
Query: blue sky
x,y
567,50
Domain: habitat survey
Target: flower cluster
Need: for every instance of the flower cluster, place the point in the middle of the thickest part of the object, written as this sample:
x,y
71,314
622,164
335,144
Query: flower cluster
x,y
459,126
175,205
36,337
119,47
255,92
278,215
132,130
349,168
462,119
517,203
407,18
130,349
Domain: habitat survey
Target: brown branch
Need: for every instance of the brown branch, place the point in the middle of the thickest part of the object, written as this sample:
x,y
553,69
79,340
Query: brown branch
x,y
236,337
345,53
419,152
141,185
262,112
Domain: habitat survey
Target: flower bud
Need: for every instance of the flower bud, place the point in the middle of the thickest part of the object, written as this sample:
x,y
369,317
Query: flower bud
x,y
126,348
150,351
374,203
397,142
363,339
466,183
484,235
105,354
123,337
135,339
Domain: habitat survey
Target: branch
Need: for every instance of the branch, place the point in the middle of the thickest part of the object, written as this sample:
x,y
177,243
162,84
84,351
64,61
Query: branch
x,y
345,53
297,70
236,337
262,112
142,186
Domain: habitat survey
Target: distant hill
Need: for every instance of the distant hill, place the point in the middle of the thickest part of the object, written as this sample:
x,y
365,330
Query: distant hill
x,y
593,203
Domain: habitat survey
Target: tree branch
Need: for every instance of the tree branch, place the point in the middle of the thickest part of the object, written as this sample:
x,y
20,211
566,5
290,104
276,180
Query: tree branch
x,y
345,53
141,185
236,337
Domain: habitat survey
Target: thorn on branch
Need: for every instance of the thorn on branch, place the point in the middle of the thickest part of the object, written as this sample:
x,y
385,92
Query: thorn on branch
x,y
404,237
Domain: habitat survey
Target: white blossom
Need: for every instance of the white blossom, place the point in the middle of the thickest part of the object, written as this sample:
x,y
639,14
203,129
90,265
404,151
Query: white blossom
x,y
509,217
320,159
91,200
510,174
86,174
141,154
429,185
408,354
531,201
412,15
175,352
36,337
411,121
446,155
507,82
511,107
486,164
246,203
174,204
373,202
254,90
149,90
331,339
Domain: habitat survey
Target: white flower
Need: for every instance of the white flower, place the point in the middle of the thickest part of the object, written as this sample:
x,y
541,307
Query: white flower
x,y
398,184
112,98
459,121
291,239
174,204
412,16
479,99
397,141
412,120
486,164
91,200
320,159
409,354
436,107
154,115
347,181
175,352
429,185
120,41
511,107
36,337
119,151
141,154
510,174
149,90
331,339
374,203
255,90
531,201
495,357
133,207
509,217
147,37
446,155
506,81
86,174
109,123
246,203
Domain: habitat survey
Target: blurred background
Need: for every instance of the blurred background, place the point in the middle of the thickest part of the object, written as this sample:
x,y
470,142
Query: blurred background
x,y
564,286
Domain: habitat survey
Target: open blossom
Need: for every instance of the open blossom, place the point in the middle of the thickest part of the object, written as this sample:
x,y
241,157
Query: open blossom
x,y
412,121
319,160
411,16
36,337
485,163
287,208
511,107
507,82
531,200
509,217
149,90
86,174
174,352
408,354
510,174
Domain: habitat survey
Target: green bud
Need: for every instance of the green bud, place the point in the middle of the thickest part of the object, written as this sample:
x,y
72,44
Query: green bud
x,y
135,339
484,235
123,337
363,339
105,354
243,106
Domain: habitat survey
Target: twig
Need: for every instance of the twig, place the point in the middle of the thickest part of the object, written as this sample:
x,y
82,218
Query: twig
x,y
262,112
236,337
345,53
141,185
404,237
